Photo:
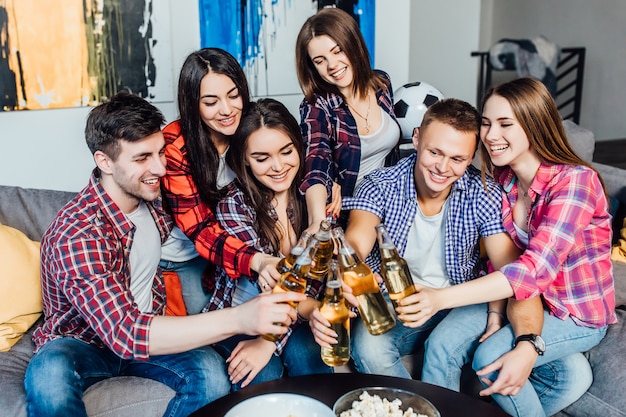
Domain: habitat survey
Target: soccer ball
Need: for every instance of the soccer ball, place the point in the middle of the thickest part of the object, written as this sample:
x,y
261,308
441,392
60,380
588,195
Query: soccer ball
x,y
410,103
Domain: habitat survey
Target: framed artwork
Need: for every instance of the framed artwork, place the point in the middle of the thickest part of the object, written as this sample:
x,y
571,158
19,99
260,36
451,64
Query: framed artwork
x,y
74,53
262,34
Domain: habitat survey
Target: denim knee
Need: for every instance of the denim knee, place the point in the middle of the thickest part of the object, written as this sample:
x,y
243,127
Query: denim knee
x,y
55,378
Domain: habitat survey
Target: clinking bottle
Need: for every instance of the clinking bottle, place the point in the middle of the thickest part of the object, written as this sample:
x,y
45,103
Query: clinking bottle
x,y
320,266
394,269
286,263
373,309
295,279
335,310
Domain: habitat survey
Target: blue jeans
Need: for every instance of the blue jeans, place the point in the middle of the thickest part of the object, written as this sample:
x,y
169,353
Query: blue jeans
x,y
301,356
382,354
64,368
190,276
559,378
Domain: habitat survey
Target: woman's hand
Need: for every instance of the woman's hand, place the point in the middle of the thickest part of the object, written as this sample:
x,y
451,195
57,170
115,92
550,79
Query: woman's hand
x,y
334,207
248,358
265,265
320,327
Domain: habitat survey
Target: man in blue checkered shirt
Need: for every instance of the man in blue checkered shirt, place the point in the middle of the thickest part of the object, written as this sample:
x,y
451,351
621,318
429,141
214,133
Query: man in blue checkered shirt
x,y
436,208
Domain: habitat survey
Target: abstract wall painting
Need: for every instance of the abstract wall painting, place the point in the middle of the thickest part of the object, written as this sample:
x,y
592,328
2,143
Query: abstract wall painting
x,y
75,53
262,34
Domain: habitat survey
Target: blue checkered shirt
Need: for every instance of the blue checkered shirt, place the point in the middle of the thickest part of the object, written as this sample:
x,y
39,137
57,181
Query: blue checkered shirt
x,y
473,212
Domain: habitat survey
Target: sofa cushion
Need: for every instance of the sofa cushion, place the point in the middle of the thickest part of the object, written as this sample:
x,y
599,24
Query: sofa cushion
x,y
30,210
20,288
606,396
581,139
127,396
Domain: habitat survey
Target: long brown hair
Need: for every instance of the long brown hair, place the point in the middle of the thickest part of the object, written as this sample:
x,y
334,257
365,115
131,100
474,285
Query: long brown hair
x,y
202,154
271,114
537,113
343,29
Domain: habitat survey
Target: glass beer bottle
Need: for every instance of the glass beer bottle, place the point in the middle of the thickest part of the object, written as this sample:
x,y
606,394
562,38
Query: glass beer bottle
x,y
323,255
286,263
295,279
335,310
393,267
373,309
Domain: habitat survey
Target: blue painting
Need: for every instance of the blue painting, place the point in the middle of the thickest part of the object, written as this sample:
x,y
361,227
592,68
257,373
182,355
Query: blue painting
x,y
261,34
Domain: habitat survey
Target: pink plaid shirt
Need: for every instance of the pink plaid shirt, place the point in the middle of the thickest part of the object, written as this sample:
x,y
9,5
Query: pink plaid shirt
x,y
567,260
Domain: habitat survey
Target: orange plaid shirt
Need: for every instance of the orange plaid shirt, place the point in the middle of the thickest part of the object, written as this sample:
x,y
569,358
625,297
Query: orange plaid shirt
x,y
195,218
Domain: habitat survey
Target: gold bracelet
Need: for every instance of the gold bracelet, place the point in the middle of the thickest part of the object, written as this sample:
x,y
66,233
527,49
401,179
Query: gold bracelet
x,y
502,316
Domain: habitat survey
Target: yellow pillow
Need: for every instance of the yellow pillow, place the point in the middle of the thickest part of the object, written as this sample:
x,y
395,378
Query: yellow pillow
x,y
20,285
619,249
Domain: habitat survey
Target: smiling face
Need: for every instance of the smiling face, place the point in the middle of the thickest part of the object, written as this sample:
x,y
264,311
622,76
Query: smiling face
x,y
502,135
273,159
220,104
331,62
443,154
136,173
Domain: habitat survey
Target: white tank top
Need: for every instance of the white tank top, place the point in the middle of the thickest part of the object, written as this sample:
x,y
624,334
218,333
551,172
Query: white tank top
x,y
376,147
144,256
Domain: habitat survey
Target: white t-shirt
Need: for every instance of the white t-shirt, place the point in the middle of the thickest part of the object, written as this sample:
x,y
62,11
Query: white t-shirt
x,y
144,256
376,147
425,249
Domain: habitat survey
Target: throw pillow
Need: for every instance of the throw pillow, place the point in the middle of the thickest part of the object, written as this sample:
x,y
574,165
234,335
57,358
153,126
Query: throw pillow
x,y
619,249
174,302
20,285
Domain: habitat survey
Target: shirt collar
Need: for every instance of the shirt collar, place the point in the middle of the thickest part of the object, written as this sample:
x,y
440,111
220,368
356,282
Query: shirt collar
x,y
544,175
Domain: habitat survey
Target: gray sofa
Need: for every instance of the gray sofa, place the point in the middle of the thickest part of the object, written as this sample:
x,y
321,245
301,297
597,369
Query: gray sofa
x,y
31,210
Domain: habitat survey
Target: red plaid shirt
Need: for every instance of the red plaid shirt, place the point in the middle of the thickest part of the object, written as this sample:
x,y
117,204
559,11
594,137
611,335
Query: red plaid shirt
x,y
195,218
85,274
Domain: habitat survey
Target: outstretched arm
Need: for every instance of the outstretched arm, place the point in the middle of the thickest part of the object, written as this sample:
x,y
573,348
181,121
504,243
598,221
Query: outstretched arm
x,y
514,367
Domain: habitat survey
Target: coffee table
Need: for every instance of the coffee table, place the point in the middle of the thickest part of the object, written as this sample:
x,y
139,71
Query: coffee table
x,y
329,387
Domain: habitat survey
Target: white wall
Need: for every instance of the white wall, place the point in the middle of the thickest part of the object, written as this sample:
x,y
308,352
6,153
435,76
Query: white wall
x,y
415,41
46,148
597,25
443,35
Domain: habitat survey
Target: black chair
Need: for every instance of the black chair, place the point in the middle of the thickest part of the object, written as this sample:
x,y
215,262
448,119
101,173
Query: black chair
x,y
569,74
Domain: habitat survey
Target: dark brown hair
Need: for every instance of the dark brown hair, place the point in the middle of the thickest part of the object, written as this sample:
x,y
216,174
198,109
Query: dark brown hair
x,y
271,114
343,29
201,152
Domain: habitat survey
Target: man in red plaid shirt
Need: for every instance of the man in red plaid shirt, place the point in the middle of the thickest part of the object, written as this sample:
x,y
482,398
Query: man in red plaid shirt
x,y
103,292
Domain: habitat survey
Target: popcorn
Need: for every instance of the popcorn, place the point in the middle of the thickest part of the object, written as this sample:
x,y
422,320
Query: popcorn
x,y
374,406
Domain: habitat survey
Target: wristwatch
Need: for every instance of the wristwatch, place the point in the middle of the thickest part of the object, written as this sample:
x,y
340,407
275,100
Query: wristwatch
x,y
535,339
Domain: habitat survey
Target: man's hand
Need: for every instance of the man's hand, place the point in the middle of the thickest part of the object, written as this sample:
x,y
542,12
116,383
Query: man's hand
x,y
268,313
514,369
248,358
416,309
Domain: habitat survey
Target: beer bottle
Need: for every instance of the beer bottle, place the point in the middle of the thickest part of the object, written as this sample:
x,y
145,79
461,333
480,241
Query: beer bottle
x,y
286,263
373,309
393,267
335,310
295,279
319,267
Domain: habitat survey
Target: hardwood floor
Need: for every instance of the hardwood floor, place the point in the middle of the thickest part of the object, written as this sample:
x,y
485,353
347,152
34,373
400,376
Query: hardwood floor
x,y
611,152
